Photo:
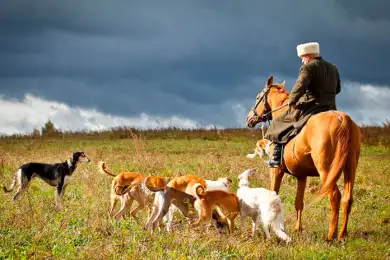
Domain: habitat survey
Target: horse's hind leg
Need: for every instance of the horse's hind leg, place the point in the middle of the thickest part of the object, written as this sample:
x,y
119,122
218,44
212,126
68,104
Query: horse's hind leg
x,y
301,182
349,179
322,163
334,199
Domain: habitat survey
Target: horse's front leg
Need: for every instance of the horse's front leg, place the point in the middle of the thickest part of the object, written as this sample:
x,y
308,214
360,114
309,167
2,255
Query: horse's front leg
x,y
276,179
299,202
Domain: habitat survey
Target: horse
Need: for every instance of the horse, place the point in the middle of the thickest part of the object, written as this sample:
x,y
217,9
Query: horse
x,y
327,145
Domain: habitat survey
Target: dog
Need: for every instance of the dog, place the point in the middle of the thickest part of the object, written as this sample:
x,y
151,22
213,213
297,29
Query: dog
x,y
56,175
226,204
262,206
130,186
262,148
166,197
186,184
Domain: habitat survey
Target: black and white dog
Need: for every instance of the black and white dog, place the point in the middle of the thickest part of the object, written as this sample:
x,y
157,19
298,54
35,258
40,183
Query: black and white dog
x,y
57,175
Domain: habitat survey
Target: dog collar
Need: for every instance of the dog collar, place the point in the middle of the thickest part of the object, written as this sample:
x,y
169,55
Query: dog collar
x,y
69,161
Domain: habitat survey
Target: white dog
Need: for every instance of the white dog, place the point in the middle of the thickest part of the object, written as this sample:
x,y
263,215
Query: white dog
x,y
262,206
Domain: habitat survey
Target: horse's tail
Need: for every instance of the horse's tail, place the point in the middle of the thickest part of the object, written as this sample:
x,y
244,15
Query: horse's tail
x,y
340,156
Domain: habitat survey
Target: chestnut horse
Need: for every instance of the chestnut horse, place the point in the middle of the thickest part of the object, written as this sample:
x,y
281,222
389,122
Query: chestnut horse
x,y
327,145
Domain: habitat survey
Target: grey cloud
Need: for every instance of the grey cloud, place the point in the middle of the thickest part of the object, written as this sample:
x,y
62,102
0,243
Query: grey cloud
x,y
181,57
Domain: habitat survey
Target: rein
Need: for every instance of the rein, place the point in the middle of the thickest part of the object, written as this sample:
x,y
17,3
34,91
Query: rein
x,y
265,115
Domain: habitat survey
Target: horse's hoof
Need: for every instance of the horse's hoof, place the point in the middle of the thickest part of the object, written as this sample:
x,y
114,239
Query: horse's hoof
x,y
341,238
329,239
298,230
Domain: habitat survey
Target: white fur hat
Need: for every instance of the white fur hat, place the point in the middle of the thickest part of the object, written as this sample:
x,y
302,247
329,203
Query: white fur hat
x,y
308,48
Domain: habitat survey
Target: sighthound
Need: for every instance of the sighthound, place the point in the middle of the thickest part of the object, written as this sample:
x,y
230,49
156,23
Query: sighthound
x,y
57,175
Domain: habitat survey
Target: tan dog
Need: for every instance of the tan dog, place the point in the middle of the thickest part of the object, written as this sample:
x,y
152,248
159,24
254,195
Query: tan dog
x,y
226,203
139,192
262,148
186,184
129,186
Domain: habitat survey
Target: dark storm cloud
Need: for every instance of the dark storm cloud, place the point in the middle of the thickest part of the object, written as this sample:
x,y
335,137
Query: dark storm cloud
x,y
180,57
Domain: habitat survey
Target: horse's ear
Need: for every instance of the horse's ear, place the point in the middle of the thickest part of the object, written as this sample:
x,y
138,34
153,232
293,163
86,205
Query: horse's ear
x,y
283,84
270,81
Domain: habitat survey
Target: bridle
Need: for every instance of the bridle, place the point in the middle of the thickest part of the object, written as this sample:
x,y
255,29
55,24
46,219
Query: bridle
x,y
267,114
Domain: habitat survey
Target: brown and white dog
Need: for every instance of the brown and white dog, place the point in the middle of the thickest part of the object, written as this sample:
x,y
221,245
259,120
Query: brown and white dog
x,y
226,204
186,184
164,199
262,148
130,186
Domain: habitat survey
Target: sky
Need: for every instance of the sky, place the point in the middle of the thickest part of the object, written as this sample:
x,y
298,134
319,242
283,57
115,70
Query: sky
x,y
96,64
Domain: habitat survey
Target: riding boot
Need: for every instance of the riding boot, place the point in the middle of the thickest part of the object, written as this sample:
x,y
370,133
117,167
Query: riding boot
x,y
276,158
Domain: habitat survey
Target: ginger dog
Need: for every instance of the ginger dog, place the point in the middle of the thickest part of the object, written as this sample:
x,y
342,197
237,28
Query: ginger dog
x,y
127,187
262,148
226,203
186,184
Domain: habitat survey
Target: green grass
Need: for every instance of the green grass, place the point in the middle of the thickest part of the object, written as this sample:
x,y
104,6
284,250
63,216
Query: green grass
x,y
32,228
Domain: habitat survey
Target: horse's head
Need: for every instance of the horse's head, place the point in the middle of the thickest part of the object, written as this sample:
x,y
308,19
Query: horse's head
x,y
269,98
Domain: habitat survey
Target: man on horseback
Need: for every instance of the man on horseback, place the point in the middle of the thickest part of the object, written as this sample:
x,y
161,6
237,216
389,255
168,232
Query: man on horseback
x,y
315,91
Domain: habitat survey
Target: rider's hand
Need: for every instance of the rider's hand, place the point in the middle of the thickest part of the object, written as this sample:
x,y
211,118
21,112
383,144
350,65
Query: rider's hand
x,y
293,106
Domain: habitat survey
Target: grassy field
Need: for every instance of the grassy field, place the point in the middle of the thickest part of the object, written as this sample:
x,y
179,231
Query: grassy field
x,y
32,228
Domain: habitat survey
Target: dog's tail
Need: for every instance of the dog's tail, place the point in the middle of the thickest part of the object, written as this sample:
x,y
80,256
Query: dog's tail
x,y
251,155
278,222
154,189
14,182
198,190
276,204
125,189
103,169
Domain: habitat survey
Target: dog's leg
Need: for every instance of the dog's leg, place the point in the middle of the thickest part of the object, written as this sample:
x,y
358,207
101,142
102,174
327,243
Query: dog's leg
x,y
15,182
278,227
62,193
255,224
151,217
126,205
158,200
171,211
243,221
58,196
163,210
264,223
230,217
139,207
113,202
22,182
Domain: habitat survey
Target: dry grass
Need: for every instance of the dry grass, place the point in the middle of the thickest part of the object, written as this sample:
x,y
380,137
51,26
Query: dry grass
x,y
31,228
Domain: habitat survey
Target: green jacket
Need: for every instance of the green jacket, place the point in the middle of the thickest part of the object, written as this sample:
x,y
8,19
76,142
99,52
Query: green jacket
x,y
318,83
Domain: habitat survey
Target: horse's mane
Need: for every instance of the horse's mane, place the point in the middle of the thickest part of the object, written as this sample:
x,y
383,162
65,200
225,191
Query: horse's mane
x,y
280,88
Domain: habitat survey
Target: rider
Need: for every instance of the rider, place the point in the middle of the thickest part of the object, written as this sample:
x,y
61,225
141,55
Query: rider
x,y
315,91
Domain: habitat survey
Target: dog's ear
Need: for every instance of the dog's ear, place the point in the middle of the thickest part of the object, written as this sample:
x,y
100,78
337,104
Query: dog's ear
x,y
76,156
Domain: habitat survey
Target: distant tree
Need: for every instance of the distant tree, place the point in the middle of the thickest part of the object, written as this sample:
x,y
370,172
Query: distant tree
x,y
36,133
49,129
